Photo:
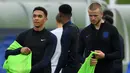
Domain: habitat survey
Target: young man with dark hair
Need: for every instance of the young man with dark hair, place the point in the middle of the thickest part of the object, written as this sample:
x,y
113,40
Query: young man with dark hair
x,y
108,16
108,12
69,42
101,37
39,41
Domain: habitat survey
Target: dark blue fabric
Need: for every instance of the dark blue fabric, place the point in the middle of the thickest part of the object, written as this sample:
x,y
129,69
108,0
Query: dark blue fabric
x,y
48,54
69,46
122,46
105,34
128,68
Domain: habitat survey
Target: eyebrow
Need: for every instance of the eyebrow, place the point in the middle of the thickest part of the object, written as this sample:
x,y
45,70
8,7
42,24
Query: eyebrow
x,y
39,15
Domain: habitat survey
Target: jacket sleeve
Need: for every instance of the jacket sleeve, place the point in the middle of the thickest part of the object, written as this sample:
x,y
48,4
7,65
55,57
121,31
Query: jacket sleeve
x,y
115,45
69,45
81,48
20,40
65,43
49,51
122,46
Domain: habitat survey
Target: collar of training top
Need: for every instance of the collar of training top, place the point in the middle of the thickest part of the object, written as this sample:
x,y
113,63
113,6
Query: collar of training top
x,y
42,31
101,26
68,23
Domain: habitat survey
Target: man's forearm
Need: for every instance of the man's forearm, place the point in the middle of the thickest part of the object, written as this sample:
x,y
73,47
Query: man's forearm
x,y
12,52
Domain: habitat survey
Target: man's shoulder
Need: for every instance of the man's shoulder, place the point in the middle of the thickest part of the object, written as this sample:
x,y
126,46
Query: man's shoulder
x,y
110,26
25,32
21,37
87,28
52,31
50,35
72,28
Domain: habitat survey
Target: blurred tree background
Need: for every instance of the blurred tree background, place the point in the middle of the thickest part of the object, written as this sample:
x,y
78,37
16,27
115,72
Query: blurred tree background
x,y
121,1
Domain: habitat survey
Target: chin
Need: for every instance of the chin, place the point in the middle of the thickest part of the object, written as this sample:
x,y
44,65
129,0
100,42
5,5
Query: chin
x,y
93,23
37,26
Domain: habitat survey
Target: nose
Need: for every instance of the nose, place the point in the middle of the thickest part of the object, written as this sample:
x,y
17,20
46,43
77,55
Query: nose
x,y
92,18
36,18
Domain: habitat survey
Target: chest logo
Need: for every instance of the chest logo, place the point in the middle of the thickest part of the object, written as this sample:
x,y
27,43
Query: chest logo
x,y
43,40
105,34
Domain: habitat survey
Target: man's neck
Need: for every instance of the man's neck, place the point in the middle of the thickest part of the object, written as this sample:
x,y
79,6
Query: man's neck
x,y
59,25
65,21
38,29
97,26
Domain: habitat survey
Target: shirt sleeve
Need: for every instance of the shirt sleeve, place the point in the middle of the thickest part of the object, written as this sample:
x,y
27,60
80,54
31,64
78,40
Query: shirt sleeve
x,y
49,51
115,45
20,40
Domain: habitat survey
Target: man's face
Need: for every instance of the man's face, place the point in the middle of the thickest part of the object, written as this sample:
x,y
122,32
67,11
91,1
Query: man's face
x,y
95,16
39,18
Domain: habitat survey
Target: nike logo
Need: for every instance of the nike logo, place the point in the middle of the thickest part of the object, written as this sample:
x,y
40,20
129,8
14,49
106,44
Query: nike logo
x,y
43,40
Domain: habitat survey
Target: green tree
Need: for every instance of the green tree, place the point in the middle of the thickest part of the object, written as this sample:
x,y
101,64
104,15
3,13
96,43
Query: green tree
x,y
123,1
120,1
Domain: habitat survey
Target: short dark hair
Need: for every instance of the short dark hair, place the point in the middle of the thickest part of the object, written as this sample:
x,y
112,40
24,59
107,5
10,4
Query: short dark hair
x,y
108,18
65,9
108,12
41,9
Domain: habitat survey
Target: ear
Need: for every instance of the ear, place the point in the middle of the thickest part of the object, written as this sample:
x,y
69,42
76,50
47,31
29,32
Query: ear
x,y
46,19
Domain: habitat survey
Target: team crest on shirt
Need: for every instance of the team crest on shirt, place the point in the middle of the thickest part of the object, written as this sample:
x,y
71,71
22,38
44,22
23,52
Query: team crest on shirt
x,y
105,34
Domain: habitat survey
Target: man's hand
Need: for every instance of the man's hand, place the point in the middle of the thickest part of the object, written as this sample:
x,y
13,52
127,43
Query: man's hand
x,y
99,54
25,50
93,62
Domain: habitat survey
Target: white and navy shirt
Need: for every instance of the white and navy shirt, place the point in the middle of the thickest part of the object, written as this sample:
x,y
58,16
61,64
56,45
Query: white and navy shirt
x,y
54,61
